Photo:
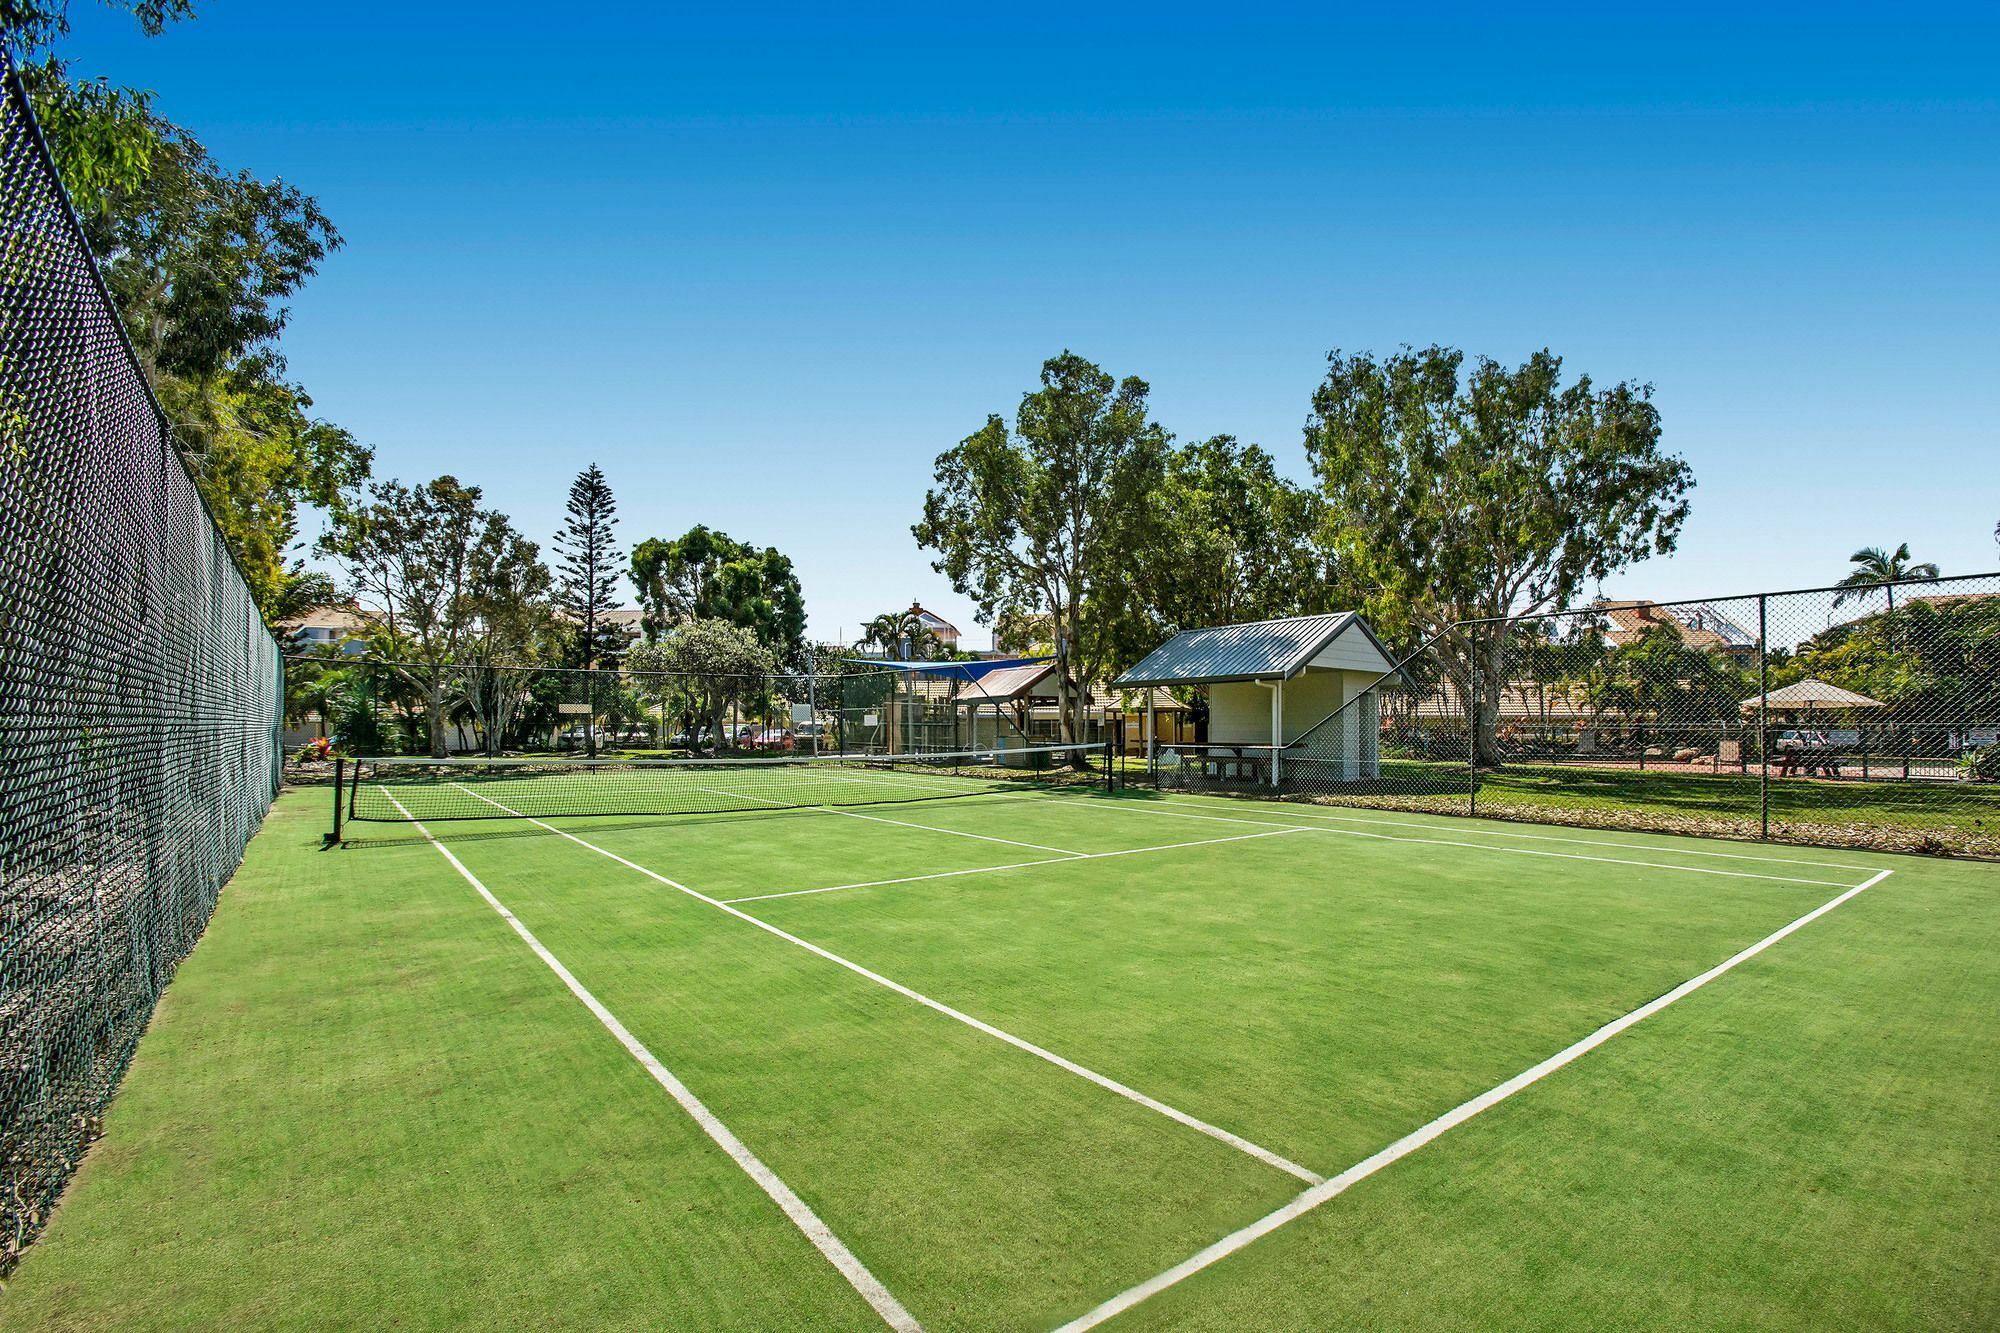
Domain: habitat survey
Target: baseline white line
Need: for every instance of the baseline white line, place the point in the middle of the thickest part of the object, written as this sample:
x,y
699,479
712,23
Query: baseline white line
x,y
1475,846
1131,1094
1458,1115
802,1216
1322,812
1018,865
881,819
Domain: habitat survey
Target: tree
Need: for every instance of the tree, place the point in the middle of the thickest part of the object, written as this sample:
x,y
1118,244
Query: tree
x,y
902,634
587,576
513,624
715,662
708,575
1463,498
1231,541
200,261
1873,568
1041,518
444,574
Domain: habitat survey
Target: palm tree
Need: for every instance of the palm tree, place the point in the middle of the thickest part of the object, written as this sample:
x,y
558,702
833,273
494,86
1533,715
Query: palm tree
x,y
1873,568
902,632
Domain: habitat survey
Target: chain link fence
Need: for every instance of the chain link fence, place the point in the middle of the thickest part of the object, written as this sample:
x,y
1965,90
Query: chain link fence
x,y
1833,716
139,693
372,707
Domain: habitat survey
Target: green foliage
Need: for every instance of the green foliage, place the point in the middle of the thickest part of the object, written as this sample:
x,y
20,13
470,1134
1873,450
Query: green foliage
x,y
454,583
200,262
1929,660
1043,519
1461,496
1872,566
708,575
1230,541
1980,765
902,634
587,568
257,455
705,665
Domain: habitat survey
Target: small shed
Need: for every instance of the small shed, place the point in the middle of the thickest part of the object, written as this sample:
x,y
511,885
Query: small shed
x,y
1270,682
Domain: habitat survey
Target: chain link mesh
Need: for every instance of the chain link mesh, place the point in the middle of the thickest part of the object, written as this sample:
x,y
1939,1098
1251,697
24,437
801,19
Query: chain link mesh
x,y
375,708
139,693
1837,716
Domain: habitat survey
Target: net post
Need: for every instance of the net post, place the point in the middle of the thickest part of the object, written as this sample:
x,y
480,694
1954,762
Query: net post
x,y
339,781
1110,766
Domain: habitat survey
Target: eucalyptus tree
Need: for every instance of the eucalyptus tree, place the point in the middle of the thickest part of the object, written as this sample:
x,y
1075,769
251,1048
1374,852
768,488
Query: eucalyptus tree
x,y
1041,517
446,578
1460,498
201,261
708,575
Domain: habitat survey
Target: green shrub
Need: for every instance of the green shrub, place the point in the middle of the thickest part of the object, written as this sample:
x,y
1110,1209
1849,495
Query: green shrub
x,y
1980,765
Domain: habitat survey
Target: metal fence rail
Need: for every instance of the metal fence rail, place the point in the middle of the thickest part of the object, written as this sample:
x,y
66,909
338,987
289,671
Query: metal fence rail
x,y
139,693
1832,716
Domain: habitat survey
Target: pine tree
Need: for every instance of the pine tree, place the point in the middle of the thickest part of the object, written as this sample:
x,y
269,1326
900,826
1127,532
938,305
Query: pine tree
x,y
587,572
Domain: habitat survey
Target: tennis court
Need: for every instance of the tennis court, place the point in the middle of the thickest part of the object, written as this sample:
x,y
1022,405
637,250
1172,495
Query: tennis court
x,y
961,1047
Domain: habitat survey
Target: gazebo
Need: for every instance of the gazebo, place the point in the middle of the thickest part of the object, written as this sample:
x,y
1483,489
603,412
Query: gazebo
x,y
1269,682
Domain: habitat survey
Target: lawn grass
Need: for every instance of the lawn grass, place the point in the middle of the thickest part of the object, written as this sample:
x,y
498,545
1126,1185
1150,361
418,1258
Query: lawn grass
x,y
364,1100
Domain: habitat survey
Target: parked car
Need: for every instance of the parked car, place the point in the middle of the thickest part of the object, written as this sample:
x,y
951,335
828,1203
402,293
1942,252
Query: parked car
x,y
770,738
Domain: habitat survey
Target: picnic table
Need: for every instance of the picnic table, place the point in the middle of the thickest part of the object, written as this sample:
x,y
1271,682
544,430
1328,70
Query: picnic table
x,y
1235,763
1808,754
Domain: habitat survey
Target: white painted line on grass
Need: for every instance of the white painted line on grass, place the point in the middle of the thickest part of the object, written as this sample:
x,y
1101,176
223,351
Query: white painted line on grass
x,y
1322,812
1131,1094
836,1252
1018,865
1177,813
1458,1115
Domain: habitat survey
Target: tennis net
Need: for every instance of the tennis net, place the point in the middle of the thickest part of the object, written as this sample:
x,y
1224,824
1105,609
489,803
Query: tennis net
x,y
421,790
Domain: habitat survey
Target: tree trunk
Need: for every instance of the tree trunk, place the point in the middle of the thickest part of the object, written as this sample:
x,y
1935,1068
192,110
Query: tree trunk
x,y
434,716
1491,659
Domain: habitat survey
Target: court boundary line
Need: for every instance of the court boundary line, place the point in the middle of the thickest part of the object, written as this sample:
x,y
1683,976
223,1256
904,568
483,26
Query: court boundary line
x,y
1176,813
801,1215
1334,1186
1129,1093
1016,865
1330,812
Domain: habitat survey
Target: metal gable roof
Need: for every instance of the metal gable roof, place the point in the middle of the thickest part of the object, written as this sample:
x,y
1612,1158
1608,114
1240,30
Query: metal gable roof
x,y
1256,651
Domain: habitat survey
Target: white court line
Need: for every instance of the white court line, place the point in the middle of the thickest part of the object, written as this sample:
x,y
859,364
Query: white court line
x,y
883,819
802,1216
1136,809
1018,865
1321,812
1458,1115
1131,1094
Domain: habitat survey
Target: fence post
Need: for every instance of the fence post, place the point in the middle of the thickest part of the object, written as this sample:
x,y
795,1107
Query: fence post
x,y
1763,718
1110,767
1472,737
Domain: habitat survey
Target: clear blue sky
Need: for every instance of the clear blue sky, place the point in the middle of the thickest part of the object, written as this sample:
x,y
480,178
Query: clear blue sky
x,y
763,265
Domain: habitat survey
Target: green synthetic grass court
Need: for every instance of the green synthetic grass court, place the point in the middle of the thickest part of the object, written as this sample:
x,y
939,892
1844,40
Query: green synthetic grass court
x,y
1013,1061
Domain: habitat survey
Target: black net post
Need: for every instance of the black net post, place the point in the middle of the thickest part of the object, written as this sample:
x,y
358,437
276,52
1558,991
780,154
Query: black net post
x,y
339,784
